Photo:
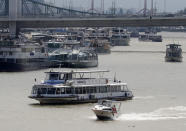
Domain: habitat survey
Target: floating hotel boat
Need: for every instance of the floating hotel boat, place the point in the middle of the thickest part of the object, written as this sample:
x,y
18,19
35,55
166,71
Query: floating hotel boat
x,y
173,53
120,40
120,37
23,56
75,58
107,109
69,87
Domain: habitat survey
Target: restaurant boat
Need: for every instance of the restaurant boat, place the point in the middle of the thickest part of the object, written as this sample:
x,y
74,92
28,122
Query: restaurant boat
x,y
173,53
68,87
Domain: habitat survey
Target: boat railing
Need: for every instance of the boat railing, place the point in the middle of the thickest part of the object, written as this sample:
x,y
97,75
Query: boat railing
x,y
49,90
90,81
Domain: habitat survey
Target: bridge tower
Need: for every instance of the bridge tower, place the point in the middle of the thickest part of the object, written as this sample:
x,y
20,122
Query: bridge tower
x,y
145,8
92,6
15,11
102,6
152,7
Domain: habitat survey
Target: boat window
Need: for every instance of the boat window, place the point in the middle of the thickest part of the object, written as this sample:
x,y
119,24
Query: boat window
x,y
43,90
51,90
119,88
42,50
69,91
78,90
58,91
84,90
97,90
103,89
108,89
62,90
68,76
53,77
124,88
112,88
34,91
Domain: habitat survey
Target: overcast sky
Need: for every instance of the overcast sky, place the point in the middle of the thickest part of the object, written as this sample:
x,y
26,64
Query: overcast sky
x,y
171,5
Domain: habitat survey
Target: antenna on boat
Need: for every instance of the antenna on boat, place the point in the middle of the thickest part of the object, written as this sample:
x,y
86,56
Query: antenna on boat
x,y
115,77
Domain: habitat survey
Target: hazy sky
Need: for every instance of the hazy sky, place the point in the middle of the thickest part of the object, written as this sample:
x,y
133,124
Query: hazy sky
x,y
171,5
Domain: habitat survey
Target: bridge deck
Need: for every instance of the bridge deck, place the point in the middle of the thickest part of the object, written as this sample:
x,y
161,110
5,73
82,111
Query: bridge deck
x,y
94,22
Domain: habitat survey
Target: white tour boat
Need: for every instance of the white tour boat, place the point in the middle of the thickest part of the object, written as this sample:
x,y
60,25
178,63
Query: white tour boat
x,y
69,87
107,109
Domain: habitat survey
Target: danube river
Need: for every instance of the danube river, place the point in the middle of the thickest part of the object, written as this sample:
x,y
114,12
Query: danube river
x,y
159,88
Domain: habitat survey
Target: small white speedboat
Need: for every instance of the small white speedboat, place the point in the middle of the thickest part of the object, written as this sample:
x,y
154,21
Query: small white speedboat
x,y
107,109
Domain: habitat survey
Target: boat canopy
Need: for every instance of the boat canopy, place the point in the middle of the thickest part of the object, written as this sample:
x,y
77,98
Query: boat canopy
x,y
75,72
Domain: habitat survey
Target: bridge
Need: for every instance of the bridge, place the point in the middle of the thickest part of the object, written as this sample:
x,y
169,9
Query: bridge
x,y
16,14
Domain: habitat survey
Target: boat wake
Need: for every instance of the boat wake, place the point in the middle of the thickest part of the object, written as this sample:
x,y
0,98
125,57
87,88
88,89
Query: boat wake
x,y
143,97
171,113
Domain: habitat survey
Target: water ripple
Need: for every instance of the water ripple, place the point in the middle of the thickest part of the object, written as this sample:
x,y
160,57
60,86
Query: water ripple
x,y
170,113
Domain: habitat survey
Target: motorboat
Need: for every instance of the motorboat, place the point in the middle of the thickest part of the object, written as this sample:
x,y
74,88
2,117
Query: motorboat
x,y
107,109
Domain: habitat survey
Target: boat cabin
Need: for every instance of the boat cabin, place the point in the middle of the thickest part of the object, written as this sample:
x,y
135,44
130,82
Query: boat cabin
x,y
77,82
174,50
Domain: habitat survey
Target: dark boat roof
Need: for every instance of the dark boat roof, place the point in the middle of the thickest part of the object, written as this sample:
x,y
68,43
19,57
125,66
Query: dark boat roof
x,y
173,45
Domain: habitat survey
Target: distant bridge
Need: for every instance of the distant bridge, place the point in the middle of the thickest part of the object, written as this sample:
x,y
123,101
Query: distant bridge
x,y
16,14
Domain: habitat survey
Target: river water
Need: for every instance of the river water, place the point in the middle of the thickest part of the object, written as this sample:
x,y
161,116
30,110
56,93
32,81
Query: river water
x,y
159,88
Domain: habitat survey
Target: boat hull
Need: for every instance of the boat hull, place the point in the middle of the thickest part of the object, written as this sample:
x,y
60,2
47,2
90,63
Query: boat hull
x,y
119,42
173,59
74,99
11,67
80,64
104,115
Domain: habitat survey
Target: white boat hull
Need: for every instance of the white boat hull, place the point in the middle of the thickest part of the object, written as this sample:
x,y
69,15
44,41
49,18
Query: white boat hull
x,y
103,115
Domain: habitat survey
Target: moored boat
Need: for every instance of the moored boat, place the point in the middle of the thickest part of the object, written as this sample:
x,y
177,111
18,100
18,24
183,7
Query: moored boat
x,y
75,58
17,55
101,46
68,87
120,37
173,53
150,37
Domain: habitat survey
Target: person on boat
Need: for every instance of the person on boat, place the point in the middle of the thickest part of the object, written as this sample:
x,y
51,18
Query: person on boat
x,y
114,109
